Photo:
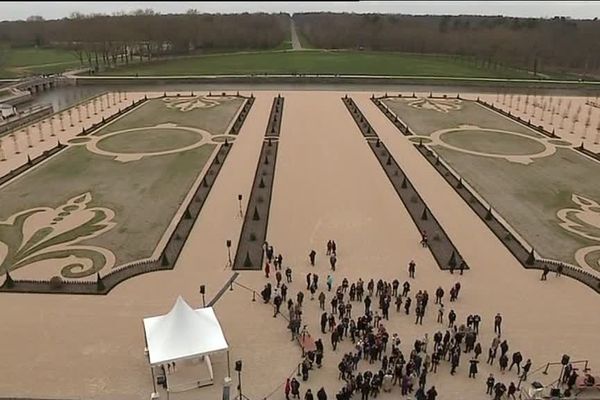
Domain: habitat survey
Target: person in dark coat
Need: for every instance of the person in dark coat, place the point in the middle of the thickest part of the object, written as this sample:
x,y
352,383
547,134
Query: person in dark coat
x,y
490,384
545,273
503,361
334,339
516,360
512,389
321,395
312,256
526,369
295,388
473,368
432,393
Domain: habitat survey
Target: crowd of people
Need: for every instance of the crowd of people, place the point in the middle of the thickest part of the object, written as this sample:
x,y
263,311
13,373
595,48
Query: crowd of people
x,y
358,312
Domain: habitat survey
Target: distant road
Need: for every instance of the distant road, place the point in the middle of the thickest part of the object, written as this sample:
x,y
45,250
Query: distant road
x,y
296,45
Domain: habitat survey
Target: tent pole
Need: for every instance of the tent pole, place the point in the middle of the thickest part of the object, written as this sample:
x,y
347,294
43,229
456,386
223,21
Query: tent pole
x,y
153,379
228,366
151,368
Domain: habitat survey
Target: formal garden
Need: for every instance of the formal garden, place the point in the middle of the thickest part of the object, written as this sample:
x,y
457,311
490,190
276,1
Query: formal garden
x,y
111,198
545,189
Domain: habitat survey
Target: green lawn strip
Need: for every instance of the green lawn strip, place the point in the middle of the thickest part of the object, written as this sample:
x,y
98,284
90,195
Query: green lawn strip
x,y
425,122
28,57
492,142
214,120
317,62
149,140
16,62
529,196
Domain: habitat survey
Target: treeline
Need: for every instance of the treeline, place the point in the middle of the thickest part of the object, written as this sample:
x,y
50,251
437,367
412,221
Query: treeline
x,y
103,39
535,44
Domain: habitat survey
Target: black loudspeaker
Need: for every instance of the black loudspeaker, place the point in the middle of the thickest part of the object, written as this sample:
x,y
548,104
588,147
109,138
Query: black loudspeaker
x,y
202,289
229,243
238,365
565,359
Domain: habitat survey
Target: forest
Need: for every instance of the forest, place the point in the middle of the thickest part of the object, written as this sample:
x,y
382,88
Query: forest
x,y
554,44
541,46
108,40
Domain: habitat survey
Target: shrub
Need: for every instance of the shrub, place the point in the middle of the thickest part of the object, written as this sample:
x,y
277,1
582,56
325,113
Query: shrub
x,y
56,282
252,237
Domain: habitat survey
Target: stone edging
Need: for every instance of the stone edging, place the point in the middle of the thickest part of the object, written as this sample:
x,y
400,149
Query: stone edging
x,y
486,214
249,254
170,253
442,248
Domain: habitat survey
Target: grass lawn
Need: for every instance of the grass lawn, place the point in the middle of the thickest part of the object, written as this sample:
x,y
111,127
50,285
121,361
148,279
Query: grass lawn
x,y
26,61
527,196
317,62
492,142
144,194
156,112
425,121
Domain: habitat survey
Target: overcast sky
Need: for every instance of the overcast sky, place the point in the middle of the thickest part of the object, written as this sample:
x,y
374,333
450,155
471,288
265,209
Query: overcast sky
x,y
53,10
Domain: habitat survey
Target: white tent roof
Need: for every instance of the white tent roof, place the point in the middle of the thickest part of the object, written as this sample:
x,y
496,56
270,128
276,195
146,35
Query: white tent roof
x,y
183,333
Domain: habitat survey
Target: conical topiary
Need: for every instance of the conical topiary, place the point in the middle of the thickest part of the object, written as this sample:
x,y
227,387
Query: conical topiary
x,y
256,216
266,160
389,161
404,184
248,261
261,183
424,214
99,283
164,260
377,144
217,161
488,215
186,214
459,185
269,142
530,258
9,283
452,261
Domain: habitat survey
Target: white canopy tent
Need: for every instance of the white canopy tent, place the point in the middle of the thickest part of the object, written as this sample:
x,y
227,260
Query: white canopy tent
x,y
184,334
